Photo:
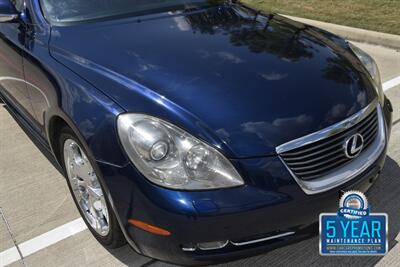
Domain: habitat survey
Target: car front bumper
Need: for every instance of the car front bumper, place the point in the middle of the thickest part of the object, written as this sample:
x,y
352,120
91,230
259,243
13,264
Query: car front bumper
x,y
269,205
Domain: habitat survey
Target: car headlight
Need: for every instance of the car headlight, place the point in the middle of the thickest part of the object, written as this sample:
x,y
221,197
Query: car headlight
x,y
370,64
170,157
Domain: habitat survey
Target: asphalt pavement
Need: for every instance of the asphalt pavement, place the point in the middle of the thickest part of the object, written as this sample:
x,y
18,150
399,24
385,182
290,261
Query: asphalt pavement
x,y
38,214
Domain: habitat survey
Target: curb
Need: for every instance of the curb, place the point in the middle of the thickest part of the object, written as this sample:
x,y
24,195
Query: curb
x,y
354,34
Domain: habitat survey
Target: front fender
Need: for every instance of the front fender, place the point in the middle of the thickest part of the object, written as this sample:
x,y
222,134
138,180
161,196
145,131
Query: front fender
x,y
88,112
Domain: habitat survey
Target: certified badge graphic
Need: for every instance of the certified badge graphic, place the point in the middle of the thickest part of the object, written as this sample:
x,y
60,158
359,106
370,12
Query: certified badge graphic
x,y
353,205
353,230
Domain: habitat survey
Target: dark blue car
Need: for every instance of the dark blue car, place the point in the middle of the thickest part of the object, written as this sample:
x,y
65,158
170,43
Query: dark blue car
x,y
197,131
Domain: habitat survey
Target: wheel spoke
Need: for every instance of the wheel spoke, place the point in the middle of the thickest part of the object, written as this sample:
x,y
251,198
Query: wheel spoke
x,y
96,193
86,187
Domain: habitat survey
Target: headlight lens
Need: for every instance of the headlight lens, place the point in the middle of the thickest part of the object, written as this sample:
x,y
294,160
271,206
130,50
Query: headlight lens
x,y
170,157
372,68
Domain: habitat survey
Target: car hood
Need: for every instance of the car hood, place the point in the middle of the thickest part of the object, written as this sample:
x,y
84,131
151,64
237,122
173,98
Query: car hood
x,y
252,81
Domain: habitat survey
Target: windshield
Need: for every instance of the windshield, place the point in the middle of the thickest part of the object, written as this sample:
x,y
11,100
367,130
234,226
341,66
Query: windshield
x,y
80,10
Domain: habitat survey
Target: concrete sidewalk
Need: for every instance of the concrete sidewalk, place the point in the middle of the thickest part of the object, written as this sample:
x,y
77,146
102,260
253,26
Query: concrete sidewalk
x,y
355,34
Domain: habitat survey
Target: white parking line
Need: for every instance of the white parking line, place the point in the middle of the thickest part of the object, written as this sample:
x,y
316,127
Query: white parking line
x,y
391,83
9,256
42,241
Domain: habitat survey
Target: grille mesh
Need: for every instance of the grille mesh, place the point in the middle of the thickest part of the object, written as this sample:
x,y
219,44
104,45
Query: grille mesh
x,y
317,159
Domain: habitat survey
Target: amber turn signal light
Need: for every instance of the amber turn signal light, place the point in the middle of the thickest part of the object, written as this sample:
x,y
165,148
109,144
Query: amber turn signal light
x,y
149,228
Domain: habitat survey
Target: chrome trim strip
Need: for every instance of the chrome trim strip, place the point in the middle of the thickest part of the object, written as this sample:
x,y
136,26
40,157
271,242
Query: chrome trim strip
x,y
352,169
331,130
261,239
189,249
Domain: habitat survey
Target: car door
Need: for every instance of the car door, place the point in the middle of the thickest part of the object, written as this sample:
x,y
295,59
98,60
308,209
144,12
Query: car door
x,y
12,81
40,83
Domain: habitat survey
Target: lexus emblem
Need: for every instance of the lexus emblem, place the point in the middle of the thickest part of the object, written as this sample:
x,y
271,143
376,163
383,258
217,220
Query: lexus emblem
x,y
353,146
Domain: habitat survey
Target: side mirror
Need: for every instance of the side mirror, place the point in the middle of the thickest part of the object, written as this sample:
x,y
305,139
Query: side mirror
x,y
7,11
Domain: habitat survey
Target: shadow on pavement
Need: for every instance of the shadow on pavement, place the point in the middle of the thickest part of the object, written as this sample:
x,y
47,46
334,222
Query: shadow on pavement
x,y
385,197
130,258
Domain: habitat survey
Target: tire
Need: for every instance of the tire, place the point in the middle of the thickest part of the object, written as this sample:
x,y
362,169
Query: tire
x,y
106,230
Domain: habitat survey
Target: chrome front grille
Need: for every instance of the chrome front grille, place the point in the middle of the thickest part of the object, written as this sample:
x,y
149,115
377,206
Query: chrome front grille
x,y
317,159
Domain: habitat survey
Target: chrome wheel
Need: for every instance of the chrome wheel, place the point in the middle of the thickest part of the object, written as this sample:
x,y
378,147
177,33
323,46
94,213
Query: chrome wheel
x,y
86,187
